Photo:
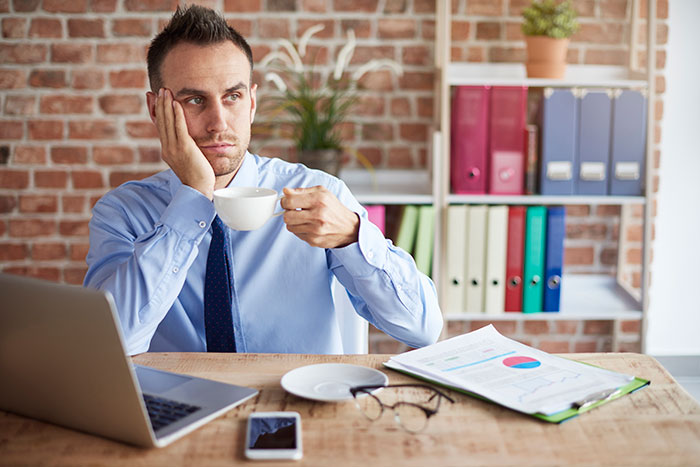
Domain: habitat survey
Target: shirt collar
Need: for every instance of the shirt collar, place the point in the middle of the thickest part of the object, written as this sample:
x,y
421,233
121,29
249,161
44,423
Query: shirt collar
x,y
247,175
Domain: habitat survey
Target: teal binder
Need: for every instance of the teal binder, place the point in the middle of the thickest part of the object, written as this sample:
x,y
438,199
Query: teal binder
x,y
535,241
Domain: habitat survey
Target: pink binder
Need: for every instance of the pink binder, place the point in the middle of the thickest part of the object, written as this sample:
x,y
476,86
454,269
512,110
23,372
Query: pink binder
x,y
376,215
469,139
507,120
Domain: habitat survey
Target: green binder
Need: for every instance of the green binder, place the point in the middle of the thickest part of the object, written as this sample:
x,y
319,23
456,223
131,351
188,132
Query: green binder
x,y
406,236
424,239
533,268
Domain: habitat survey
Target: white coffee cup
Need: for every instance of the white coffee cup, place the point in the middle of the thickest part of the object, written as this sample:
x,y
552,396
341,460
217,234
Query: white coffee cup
x,y
246,207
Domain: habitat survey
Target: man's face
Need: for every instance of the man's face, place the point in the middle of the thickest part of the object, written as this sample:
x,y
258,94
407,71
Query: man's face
x,y
212,83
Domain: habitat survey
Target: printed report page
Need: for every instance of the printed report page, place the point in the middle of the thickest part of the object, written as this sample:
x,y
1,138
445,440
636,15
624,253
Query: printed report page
x,y
509,373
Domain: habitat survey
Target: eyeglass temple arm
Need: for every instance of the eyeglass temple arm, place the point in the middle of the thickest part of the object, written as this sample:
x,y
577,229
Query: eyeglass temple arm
x,y
377,386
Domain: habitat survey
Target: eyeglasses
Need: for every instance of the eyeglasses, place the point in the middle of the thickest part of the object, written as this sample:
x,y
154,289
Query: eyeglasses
x,y
412,417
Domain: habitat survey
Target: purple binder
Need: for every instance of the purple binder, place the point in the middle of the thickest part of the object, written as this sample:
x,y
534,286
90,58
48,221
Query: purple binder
x,y
595,111
628,149
559,128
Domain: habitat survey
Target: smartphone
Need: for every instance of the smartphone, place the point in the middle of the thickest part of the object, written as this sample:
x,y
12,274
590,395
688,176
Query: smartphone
x,y
273,435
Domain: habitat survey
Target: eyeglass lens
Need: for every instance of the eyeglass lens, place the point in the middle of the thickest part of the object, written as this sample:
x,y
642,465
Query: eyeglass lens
x,y
369,406
409,415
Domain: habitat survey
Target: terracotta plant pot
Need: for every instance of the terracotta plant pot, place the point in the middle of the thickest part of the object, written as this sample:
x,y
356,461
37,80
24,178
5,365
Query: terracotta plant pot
x,y
546,57
327,160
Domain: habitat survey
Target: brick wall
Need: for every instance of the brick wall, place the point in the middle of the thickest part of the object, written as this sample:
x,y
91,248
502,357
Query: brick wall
x,y
73,120
557,336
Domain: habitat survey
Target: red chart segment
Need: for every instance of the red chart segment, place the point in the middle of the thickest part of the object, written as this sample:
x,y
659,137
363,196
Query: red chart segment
x,y
521,362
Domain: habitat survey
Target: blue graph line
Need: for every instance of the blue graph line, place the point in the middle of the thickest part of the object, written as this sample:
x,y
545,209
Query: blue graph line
x,y
477,362
547,383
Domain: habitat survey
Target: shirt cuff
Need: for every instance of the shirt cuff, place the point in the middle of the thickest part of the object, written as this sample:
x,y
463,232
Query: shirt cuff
x,y
190,213
367,254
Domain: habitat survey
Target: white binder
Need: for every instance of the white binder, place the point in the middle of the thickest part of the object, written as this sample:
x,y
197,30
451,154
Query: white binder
x,y
475,256
456,254
496,247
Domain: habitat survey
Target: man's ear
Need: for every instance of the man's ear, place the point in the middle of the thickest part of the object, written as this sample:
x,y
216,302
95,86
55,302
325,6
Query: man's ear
x,y
151,103
253,102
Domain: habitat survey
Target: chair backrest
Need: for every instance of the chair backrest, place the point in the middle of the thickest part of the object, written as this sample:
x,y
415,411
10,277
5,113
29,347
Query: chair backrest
x,y
354,330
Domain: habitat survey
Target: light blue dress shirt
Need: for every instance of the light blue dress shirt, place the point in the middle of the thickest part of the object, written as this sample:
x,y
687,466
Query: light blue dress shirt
x,y
149,241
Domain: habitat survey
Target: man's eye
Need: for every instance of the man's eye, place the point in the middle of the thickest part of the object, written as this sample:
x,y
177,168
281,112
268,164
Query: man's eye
x,y
233,97
195,100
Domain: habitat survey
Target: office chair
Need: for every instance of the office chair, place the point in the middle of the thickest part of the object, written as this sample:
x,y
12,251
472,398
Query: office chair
x,y
354,330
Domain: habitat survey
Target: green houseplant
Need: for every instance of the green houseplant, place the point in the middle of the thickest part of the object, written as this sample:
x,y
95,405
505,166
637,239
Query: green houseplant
x,y
547,26
313,104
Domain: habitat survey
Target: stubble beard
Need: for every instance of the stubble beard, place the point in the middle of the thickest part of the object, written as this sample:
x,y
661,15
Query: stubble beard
x,y
232,162
226,164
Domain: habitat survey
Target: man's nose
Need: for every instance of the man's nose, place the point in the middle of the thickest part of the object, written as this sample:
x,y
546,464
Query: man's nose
x,y
216,118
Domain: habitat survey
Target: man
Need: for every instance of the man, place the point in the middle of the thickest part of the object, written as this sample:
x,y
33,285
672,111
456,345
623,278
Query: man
x,y
158,247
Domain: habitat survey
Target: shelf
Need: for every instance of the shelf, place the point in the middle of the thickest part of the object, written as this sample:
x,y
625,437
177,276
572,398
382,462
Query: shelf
x,y
389,186
584,297
413,187
513,74
544,199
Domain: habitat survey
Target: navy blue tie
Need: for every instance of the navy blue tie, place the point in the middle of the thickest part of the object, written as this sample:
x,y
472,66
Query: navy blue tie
x,y
218,323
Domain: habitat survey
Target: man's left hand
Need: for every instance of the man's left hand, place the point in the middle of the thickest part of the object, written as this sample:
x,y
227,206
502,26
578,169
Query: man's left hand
x,y
316,216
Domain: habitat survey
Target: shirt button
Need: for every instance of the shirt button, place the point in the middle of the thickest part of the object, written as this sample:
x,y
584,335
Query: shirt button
x,y
176,270
370,255
202,224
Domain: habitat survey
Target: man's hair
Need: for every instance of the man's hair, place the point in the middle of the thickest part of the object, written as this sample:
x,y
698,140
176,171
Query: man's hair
x,y
195,25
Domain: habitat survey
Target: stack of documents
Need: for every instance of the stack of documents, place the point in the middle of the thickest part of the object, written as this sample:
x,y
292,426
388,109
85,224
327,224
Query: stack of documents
x,y
486,364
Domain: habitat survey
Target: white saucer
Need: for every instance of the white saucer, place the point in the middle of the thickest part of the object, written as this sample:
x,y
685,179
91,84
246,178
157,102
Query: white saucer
x,y
330,381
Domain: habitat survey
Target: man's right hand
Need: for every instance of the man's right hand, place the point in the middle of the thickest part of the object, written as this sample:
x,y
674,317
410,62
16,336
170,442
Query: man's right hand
x,y
179,150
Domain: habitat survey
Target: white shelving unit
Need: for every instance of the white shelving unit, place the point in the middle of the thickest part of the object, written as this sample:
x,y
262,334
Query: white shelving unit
x,y
577,303
513,74
389,186
584,297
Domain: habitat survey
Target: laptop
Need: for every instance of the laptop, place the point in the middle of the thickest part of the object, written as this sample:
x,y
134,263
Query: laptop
x,y
63,361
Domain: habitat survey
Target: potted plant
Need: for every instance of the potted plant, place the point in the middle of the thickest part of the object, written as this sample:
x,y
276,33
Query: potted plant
x,y
547,26
313,104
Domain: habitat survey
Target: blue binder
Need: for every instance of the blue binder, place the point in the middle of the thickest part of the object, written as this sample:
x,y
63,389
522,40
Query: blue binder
x,y
629,133
554,258
595,112
559,130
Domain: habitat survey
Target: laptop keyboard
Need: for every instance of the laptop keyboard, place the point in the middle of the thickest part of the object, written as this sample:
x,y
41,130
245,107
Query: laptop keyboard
x,y
163,412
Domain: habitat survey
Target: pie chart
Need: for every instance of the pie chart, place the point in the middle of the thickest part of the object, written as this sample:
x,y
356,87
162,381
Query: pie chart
x,y
521,362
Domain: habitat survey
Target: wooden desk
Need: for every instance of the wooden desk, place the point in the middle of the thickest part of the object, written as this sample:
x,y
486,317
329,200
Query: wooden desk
x,y
659,425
